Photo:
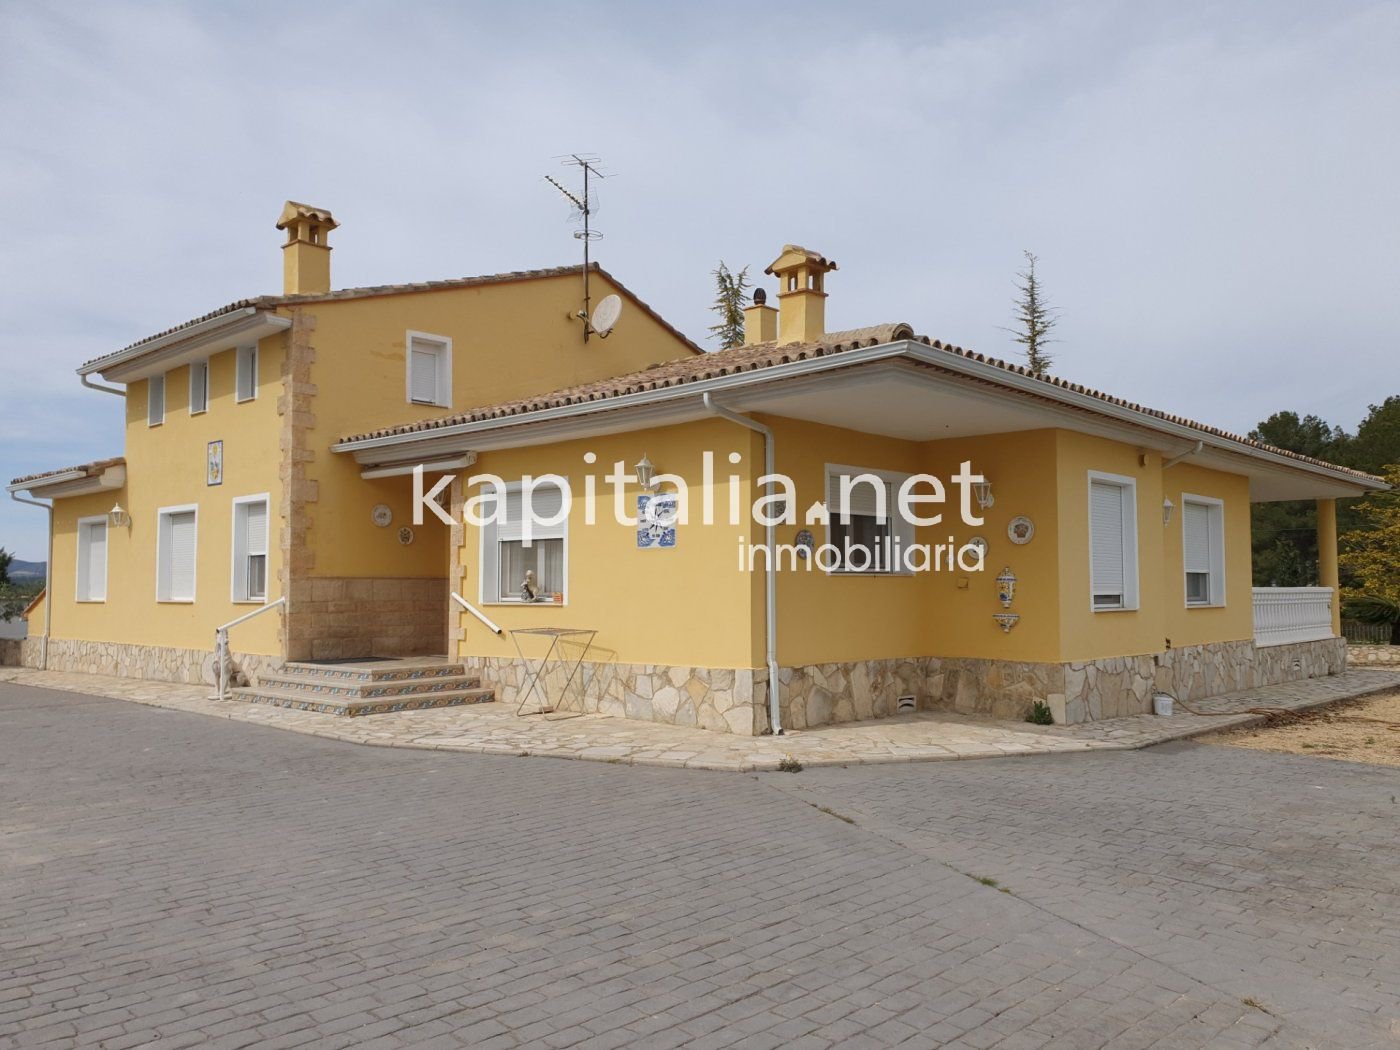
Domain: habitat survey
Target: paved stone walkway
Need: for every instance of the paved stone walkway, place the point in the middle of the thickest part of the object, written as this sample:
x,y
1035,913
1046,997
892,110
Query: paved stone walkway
x,y
173,881
494,729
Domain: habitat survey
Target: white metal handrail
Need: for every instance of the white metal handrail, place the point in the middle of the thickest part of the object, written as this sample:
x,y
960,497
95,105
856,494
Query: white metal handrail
x,y
221,642
476,612
1292,614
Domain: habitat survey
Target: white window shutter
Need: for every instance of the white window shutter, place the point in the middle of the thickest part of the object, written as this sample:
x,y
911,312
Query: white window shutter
x,y
1196,517
246,369
423,373
199,386
545,502
97,562
181,560
155,400
256,528
1107,563
862,499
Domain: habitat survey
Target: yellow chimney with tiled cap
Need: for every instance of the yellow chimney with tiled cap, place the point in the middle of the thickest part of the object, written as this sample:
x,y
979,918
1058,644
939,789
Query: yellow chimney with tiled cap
x,y
801,297
306,257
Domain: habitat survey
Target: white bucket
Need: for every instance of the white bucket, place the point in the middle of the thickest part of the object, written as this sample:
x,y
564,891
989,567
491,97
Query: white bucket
x,y
1162,705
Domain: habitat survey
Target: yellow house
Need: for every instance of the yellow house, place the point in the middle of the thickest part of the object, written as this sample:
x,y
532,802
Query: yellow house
x,y
445,471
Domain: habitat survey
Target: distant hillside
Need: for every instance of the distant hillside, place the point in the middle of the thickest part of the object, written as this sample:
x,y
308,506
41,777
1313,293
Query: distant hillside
x,y
25,571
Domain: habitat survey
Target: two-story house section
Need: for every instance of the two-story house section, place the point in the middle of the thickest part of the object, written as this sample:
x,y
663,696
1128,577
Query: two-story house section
x,y
227,497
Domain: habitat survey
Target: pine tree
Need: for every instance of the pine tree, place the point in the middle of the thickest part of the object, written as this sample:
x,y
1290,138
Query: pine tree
x,y
1034,320
729,304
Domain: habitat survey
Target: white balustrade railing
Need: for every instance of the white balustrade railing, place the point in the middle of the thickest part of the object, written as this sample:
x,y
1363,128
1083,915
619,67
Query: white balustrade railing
x,y
1292,614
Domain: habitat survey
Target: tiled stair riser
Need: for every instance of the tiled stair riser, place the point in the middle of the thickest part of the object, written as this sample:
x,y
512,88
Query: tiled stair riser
x,y
353,710
355,690
365,674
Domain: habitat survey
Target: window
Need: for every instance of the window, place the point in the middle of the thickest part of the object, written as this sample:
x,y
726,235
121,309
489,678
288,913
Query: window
x,y
505,558
155,401
92,559
250,549
175,554
1203,549
874,535
1113,567
429,363
199,387
246,378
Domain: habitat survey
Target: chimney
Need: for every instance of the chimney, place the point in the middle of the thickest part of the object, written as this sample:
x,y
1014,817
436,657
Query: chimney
x,y
306,257
801,299
760,320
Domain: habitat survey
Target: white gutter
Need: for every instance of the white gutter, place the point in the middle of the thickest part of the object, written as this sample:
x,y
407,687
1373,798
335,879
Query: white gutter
x,y
48,576
770,576
915,351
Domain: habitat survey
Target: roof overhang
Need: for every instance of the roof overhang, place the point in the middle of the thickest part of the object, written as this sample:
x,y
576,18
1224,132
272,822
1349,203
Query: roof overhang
x,y
77,482
904,389
192,343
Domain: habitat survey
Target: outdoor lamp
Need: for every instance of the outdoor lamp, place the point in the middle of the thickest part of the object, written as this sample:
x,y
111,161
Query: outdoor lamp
x,y
645,472
1167,508
983,489
118,518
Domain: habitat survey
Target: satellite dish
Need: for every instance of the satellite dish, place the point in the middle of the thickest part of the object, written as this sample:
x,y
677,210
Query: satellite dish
x,y
605,314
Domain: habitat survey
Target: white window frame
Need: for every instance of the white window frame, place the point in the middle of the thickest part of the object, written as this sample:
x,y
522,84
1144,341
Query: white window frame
x,y
245,368
89,593
442,349
153,384
489,557
238,577
199,370
162,585
901,530
1216,539
1131,568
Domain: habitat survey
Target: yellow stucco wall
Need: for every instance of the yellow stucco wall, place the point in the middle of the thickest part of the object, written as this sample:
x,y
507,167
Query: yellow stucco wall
x,y
1161,619
688,605
509,340
707,603
165,466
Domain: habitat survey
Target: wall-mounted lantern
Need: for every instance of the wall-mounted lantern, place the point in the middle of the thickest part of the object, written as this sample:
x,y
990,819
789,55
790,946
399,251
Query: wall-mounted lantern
x,y
1167,508
117,517
1006,587
983,491
645,472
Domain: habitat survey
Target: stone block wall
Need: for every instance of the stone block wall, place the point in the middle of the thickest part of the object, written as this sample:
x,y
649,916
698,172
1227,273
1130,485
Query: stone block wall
x,y
1374,655
159,663
724,699
336,618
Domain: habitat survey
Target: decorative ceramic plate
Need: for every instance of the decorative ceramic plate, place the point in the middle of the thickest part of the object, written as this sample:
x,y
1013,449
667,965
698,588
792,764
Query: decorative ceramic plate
x,y
381,515
980,542
1021,530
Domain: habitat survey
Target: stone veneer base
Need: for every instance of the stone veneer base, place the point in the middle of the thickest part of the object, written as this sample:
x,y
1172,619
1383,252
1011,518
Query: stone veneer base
x,y
154,662
734,700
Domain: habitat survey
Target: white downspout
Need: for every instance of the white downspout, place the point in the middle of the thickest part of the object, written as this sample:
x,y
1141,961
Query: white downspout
x,y
1194,451
770,578
48,581
98,386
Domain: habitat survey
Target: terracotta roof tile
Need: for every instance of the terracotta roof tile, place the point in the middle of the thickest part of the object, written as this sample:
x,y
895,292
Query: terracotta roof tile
x,y
269,302
769,355
90,469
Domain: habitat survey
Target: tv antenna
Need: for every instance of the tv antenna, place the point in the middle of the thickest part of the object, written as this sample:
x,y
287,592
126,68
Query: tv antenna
x,y
598,322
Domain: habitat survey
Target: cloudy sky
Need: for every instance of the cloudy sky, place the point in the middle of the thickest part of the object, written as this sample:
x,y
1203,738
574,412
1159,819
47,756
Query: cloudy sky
x,y
1211,187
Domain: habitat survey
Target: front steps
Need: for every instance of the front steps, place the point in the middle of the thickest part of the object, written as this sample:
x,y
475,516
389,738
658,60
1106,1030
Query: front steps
x,y
366,687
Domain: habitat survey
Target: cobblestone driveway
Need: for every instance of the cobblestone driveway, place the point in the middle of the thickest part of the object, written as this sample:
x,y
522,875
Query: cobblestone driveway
x,y
175,880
